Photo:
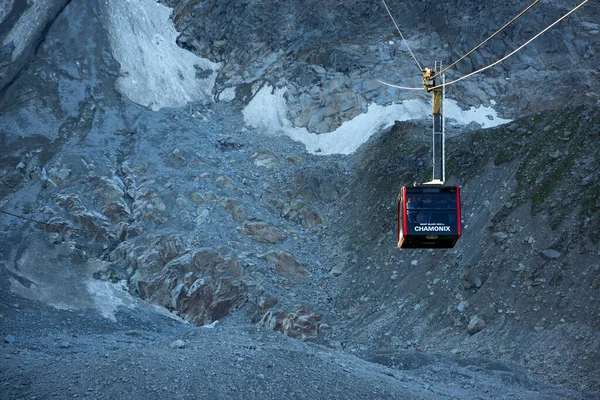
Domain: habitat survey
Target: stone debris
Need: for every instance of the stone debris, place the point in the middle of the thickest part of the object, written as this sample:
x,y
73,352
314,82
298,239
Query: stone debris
x,y
476,324
262,232
286,264
177,344
338,270
499,236
550,254
265,158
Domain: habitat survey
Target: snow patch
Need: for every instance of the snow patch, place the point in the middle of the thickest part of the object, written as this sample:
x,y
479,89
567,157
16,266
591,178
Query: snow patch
x,y
227,94
107,297
155,72
268,111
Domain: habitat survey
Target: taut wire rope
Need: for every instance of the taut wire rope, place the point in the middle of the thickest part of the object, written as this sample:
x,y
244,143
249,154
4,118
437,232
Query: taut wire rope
x,y
363,70
488,39
67,228
517,49
402,36
498,61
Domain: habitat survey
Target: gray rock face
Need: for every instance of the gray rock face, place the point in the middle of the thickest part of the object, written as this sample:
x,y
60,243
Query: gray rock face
x,y
167,191
22,28
330,77
202,286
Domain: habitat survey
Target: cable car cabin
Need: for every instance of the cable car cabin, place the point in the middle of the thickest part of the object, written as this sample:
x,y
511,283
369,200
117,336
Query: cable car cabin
x,y
428,216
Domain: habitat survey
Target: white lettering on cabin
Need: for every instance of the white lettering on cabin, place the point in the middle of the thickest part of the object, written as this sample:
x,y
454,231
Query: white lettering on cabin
x,y
432,229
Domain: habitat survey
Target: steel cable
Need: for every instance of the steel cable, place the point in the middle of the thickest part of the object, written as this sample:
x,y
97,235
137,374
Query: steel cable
x,y
488,39
68,228
402,36
498,61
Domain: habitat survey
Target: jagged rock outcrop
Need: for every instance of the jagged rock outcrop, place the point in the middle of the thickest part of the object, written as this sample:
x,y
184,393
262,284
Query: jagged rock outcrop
x,y
22,28
302,324
201,285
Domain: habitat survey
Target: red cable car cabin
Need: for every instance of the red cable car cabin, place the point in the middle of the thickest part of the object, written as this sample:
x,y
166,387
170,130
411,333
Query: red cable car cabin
x,y
428,216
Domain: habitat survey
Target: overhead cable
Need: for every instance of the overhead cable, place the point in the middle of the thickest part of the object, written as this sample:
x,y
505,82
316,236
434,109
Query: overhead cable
x,y
67,228
488,39
363,70
500,60
402,36
516,50
396,86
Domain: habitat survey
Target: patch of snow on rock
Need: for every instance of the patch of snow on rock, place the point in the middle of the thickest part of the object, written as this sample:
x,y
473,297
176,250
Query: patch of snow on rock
x,y
107,297
227,94
268,111
155,72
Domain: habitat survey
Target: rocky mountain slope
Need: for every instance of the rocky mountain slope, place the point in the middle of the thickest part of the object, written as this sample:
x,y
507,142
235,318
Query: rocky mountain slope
x,y
145,219
527,264
329,54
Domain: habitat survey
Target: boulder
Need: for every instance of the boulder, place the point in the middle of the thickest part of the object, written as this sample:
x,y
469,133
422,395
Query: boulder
x,y
226,182
337,270
177,344
286,265
476,324
201,285
197,198
550,254
298,211
235,209
302,324
262,232
265,158
499,236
